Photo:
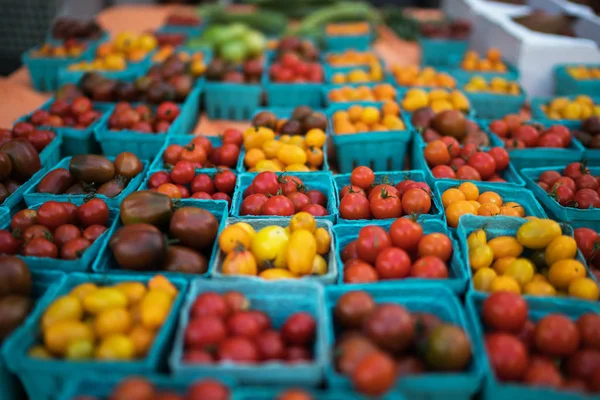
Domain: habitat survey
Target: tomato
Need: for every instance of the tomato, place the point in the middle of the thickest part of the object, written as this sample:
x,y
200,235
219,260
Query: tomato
x,y
172,153
238,350
265,183
92,232
37,231
243,323
355,206
290,184
392,263
298,354
183,172
359,272
202,183
350,350
351,189
543,375
574,385
587,198
484,163
353,308
406,234
228,155
564,181
278,205
299,329
436,244
316,210
222,196
549,177
133,388
443,171
201,195
169,189
209,304
447,348
575,169
224,181
349,252
403,186
436,153
208,389
128,165
586,182
468,150
556,335
452,145
8,243
193,153
252,205
56,181
233,136
317,197
74,248
377,190
371,240
52,214
429,267
203,142
564,195
500,157
391,327
23,219
589,328
385,205
362,177
527,334
594,381
40,247
159,178
91,168
375,374
416,201
583,363
538,233
505,311
270,345
65,233
507,355
299,200
147,207
94,212
24,159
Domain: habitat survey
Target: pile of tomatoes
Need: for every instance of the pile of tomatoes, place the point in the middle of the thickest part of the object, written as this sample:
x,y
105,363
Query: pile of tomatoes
x,y
116,322
182,182
19,160
55,230
538,261
276,252
554,352
448,159
223,328
381,342
39,138
366,199
517,135
282,195
79,114
576,187
201,152
403,252
589,244
142,118
466,199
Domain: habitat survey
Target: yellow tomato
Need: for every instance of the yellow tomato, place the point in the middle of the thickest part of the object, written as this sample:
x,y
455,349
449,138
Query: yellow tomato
x,y
481,256
301,252
539,288
247,227
303,220
477,238
323,241
560,248
58,336
470,190
267,165
80,291
159,282
63,308
563,272
584,288
537,234
103,299
268,243
155,308
142,339
522,270
271,147
539,278
289,154
298,141
483,278
319,265
272,274
505,246
116,347
134,291
501,264
297,168
233,237
111,321
315,138
505,284
39,352
239,262
80,349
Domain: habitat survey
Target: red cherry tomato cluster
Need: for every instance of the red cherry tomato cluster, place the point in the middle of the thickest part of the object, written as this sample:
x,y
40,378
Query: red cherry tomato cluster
x,y
448,159
379,343
241,335
140,388
588,243
141,118
282,195
183,182
517,135
79,114
200,151
576,187
39,138
524,351
403,252
55,230
365,199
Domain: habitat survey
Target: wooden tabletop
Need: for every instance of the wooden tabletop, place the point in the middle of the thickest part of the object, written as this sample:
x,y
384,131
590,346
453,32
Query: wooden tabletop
x,y
18,96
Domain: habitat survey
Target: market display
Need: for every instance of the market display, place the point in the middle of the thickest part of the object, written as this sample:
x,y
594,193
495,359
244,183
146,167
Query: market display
x,y
235,205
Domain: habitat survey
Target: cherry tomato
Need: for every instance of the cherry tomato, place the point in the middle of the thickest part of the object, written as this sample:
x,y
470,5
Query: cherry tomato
x,y
575,169
429,267
72,211
360,272
8,243
379,189
202,183
317,197
566,181
23,219
52,214
508,356
349,251
93,232
583,363
500,156
208,389
468,150
316,210
37,231
351,189
589,328
94,212
40,247
64,233
185,193
420,185
253,204
355,206
300,200
466,172
406,234
201,195
222,196
452,145
371,240
403,186
543,375
416,201
170,190
586,182
385,205
564,195
224,181
203,142
362,177
265,183
228,155
436,153
278,205
172,153
443,171
505,311
584,199
74,248
556,335
549,177
193,153
392,263
375,374
299,329
159,178
233,136
436,244
183,172
290,184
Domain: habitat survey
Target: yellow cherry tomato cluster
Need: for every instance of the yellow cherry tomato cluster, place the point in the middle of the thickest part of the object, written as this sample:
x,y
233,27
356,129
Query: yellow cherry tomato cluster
x,y
495,85
116,322
276,252
492,62
69,49
411,75
114,56
359,119
538,261
438,99
381,92
580,108
352,57
582,72
265,152
359,75
197,65
466,199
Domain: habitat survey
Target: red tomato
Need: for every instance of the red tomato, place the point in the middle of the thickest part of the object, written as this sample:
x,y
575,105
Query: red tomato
x,y
575,169
507,355
429,267
209,303
185,193
499,127
201,195
23,219
202,183
574,385
159,178
436,153
8,243
290,184
203,142
589,329
584,198
233,136
93,232
40,247
457,162
564,181
500,156
355,206
316,210
436,244
403,186
527,334
543,375
379,189
265,183
586,182
467,151
228,155
527,134
224,181
550,140
300,200
375,374
484,164
406,234
371,240
253,204
37,231
385,205
466,172
594,382
349,251
222,196
564,195
351,189
194,356
514,144
238,350
65,233
317,197
182,173
74,248
505,311
172,153
193,153
94,212
278,205
299,329
416,201
243,323
297,354
549,177
443,171
72,211
360,272
420,185
362,177
452,145
556,335
562,132
270,345
392,263
208,389
52,214
583,363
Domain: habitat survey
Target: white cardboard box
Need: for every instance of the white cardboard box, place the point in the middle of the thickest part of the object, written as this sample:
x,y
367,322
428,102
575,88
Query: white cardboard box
x,y
464,9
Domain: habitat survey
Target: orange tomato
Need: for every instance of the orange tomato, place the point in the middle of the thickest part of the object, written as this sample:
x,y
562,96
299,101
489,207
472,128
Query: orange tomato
x,y
488,210
457,210
490,197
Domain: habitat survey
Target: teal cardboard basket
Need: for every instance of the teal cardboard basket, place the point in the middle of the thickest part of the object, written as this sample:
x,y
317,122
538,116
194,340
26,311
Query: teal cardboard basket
x,y
441,52
77,141
322,181
424,297
344,42
45,378
4,215
538,114
565,84
14,202
50,156
589,218
292,94
279,300
332,268
66,77
234,101
81,264
263,393
44,283
32,197
493,389
506,226
495,105
391,178
457,274
540,156
381,151
106,264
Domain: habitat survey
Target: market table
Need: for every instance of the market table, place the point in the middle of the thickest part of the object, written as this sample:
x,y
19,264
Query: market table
x,y
18,96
